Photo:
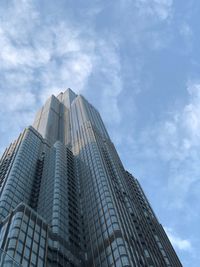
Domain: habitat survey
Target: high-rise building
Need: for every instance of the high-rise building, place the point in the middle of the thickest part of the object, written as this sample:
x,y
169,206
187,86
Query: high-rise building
x,y
66,199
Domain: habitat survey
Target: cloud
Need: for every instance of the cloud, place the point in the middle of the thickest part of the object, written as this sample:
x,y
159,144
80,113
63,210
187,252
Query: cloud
x,y
17,101
187,34
186,31
161,9
178,242
109,76
175,141
191,112
40,57
57,52
181,133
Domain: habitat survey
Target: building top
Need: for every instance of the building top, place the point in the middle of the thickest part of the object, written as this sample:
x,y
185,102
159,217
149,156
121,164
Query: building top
x,y
67,97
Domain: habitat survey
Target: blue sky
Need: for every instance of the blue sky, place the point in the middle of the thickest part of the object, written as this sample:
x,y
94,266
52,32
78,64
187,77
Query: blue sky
x,y
138,62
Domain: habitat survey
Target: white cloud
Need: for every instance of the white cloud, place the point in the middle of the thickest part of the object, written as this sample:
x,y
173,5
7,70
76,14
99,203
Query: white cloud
x,y
16,101
181,132
186,30
191,113
144,20
175,142
178,242
111,79
40,58
162,9
62,55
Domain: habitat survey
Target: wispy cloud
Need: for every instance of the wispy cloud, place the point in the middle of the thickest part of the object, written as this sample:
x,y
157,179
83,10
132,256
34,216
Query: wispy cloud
x,y
186,30
15,101
109,76
177,241
176,141
42,57
162,9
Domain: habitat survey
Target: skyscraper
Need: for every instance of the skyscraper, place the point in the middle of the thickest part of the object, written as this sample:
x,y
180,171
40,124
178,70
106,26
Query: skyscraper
x,y
66,199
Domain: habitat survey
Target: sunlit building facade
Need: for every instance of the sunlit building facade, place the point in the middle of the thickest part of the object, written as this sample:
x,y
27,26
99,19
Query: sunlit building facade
x,y
66,199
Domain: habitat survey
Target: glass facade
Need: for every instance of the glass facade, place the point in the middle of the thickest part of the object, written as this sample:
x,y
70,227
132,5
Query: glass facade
x,y
66,199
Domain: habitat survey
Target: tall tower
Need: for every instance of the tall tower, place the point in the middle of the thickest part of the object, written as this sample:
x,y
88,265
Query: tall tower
x,y
66,199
